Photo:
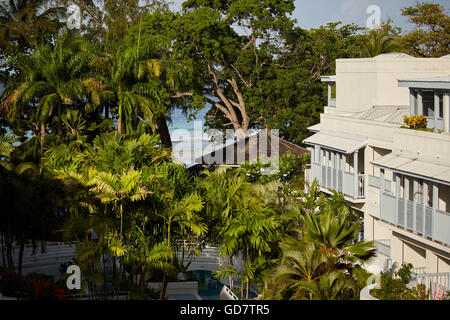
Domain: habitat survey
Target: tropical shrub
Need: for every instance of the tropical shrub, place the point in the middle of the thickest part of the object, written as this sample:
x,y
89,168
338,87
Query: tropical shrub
x,y
12,284
396,288
44,290
416,122
290,169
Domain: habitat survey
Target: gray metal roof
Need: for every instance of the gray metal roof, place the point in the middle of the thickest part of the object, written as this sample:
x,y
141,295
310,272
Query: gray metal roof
x,y
388,114
433,171
339,141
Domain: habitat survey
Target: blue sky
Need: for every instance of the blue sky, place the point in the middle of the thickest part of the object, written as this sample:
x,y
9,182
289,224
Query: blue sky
x,y
314,13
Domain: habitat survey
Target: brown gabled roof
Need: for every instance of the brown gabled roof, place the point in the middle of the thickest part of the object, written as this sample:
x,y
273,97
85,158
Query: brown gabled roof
x,y
251,148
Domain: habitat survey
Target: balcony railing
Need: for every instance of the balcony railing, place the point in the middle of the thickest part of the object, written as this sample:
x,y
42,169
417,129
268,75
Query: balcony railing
x,y
437,283
339,180
435,123
416,217
383,246
331,102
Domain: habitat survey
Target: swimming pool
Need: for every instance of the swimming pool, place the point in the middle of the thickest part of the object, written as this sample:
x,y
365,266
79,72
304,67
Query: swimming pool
x,y
208,287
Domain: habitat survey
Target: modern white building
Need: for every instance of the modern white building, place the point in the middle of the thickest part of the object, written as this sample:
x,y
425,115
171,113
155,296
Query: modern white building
x,y
397,178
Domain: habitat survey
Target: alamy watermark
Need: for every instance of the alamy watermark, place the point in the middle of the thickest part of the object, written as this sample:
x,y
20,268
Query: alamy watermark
x,y
218,147
74,280
74,17
374,19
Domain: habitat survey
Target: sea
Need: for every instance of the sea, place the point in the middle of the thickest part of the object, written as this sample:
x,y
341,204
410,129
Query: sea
x,y
190,138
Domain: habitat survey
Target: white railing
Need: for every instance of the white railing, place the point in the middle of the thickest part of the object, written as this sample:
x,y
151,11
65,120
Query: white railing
x,y
361,185
55,252
435,123
437,283
416,217
339,180
332,102
383,246
417,271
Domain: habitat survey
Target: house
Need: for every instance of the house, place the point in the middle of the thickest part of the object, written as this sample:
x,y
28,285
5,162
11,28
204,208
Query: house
x,y
260,145
397,178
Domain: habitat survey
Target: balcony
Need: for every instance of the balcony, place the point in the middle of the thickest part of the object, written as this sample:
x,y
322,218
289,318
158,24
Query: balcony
x,y
435,123
331,82
416,217
337,162
417,198
383,246
332,102
339,180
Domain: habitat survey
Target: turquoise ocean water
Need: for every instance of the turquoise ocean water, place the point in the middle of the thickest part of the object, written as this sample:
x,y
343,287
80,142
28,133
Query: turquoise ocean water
x,y
188,137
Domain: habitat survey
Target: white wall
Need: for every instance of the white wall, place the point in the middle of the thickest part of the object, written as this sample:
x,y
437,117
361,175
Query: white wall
x,y
364,83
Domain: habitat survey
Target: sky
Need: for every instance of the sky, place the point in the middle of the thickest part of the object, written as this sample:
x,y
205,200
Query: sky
x,y
314,13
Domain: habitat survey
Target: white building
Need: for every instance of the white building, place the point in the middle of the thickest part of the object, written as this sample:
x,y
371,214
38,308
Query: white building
x,y
397,178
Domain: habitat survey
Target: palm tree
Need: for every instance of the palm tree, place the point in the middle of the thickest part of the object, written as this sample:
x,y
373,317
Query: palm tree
x,y
178,208
299,269
246,225
48,77
146,255
308,273
128,71
336,235
24,21
379,42
117,188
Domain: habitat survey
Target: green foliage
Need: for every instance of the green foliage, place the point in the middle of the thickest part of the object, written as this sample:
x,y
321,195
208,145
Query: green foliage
x,y
397,288
379,42
321,254
431,36
290,169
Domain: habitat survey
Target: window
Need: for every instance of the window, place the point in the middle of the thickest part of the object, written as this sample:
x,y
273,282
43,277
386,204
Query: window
x,y
441,105
428,103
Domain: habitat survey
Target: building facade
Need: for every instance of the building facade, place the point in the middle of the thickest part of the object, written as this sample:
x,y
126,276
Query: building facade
x,y
397,178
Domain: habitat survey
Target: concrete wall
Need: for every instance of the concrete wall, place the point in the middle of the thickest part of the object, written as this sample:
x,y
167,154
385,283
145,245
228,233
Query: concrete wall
x,y
376,80
427,146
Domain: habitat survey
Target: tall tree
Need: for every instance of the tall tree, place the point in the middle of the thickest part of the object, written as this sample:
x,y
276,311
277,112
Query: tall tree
x,y
24,23
379,42
227,60
431,37
49,80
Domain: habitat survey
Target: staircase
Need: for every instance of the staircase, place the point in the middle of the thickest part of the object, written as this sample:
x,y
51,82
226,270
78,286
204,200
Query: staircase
x,y
207,260
48,262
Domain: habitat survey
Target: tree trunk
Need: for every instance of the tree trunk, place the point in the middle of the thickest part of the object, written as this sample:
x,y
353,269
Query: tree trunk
x,y
229,105
3,250
248,279
42,137
164,293
59,122
230,278
164,132
142,278
119,124
21,250
9,256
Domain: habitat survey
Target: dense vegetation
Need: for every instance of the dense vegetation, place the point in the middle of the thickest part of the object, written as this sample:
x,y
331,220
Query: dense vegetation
x,y
85,148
